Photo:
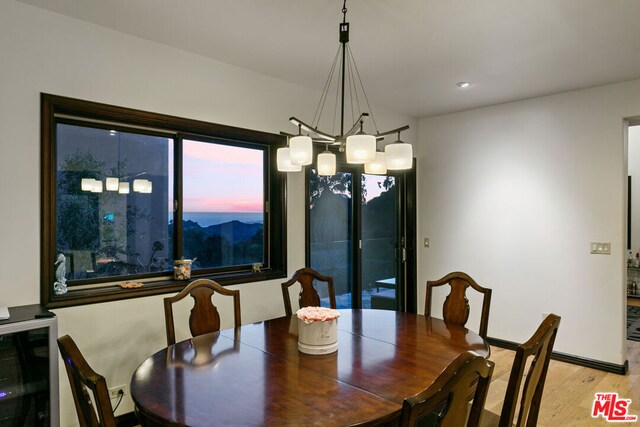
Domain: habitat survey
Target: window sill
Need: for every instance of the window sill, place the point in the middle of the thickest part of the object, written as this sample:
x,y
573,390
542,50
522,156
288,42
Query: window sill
x,y
75,297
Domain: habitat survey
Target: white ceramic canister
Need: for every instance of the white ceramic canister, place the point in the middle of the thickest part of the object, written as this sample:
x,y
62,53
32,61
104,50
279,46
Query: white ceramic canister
x,y
318,337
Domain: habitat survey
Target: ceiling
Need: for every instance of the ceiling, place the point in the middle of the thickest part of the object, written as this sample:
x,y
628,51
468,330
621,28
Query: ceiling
x,y
410,53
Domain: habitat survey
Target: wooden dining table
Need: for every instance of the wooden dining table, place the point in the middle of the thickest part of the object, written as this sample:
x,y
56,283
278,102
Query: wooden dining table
x,y
255,375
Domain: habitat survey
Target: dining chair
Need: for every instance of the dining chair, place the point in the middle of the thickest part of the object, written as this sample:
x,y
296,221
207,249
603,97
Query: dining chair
x,y
538,348
81,378
445,401
456,306
204,317
308,296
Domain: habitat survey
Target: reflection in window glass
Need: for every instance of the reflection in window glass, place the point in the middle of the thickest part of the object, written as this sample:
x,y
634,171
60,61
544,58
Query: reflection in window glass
x,y
330,218
378,256
113,196
223,197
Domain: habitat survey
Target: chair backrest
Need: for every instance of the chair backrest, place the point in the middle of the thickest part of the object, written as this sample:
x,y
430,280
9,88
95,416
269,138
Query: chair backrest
x,y
456,305
446,399
308,295
81,378
538,348
204,317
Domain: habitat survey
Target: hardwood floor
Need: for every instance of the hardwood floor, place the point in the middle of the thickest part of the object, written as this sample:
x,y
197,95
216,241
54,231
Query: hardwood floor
x,y
569,390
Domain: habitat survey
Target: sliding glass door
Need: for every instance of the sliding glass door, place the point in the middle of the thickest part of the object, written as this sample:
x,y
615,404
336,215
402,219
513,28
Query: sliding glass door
x,y
381,251
356,232
330,232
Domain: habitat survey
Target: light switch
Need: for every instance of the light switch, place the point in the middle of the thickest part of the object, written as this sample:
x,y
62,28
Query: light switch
x,y
601,248
427,242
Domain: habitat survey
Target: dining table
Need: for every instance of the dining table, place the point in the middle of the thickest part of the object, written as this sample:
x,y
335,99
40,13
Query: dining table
x,y
255,374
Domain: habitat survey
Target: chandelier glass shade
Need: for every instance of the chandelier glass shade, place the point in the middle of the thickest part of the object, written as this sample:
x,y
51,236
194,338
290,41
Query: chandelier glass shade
x,y
284,161
326,163
378,166
123,187
111,184
360,147
142,186
91,185
301,150
399,155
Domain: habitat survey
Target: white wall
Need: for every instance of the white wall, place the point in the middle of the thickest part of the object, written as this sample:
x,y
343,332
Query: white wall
x,y
512,194
42,51
634,172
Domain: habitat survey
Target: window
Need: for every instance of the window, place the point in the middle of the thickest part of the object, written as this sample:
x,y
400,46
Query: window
x,y
126,192
222,224
107,224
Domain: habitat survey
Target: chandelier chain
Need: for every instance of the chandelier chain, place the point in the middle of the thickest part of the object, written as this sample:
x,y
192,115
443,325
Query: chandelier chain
x,y
335,108
363,91
325,92
353,91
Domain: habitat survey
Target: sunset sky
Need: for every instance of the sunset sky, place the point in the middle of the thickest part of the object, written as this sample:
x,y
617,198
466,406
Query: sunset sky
x,y
239,171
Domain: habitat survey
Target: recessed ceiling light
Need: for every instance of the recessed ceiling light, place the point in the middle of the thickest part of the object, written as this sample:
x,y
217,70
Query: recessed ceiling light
x,y
463,85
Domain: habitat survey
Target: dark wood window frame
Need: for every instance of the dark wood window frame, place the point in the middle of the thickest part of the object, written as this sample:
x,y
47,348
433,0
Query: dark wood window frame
x,y
54,108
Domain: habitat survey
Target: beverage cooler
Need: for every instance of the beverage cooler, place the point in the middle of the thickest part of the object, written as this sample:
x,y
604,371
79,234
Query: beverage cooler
x,y
29,368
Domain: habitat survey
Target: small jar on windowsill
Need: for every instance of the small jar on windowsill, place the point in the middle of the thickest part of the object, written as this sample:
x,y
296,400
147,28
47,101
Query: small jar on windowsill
x,y
182,269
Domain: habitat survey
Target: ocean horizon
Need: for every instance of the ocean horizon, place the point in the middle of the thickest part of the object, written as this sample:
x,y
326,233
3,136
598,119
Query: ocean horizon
x,y
205,219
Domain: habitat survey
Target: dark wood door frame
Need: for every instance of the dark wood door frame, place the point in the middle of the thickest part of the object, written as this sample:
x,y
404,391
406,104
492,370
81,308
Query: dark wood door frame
x,y
406,210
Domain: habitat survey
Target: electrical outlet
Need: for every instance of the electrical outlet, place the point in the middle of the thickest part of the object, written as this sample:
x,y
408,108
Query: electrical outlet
x,y
115,392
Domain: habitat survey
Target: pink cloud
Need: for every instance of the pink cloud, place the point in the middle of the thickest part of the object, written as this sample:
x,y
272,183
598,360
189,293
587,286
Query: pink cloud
x,y
221,178
222,154
222,205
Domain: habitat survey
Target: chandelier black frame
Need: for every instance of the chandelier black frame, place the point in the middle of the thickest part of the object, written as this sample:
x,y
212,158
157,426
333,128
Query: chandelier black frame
x,y
360,147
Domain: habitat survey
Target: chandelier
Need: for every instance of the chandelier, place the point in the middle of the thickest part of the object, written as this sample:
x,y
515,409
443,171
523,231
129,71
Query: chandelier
x,y
360,147
117,183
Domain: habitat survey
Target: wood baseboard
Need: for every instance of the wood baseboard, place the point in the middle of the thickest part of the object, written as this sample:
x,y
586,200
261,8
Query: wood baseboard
x,y
570,358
